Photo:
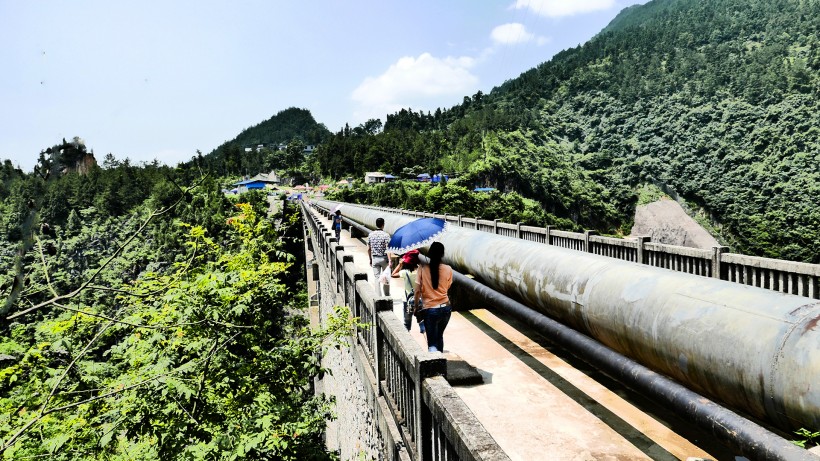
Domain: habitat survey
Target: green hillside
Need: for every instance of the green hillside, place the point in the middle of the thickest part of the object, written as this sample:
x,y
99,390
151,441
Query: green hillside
x,y
287,125
293,127
144,314
713,98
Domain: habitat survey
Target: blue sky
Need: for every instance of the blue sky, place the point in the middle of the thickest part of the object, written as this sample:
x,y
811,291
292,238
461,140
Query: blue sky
x,y
160,79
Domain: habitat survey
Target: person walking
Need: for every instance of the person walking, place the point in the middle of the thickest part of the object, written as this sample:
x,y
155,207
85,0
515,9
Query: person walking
x,y
337,225
432,284
405,270
377,243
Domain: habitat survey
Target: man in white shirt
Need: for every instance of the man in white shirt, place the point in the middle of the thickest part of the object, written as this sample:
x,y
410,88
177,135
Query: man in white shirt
x,y
377,243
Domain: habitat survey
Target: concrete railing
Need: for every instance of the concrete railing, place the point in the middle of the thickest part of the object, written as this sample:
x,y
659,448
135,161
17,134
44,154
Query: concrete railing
x,y
789,277
426,418
784,276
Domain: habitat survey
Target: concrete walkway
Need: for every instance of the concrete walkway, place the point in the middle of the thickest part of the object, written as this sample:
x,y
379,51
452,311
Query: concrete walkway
x,y
542,404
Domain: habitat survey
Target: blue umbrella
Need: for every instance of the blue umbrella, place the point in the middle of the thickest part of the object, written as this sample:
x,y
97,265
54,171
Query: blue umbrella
x,y
417,234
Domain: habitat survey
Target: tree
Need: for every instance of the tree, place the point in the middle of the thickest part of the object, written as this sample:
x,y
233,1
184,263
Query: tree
x,y
109,356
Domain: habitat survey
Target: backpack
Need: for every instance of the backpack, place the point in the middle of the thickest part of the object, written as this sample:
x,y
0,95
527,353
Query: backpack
x,y
408,302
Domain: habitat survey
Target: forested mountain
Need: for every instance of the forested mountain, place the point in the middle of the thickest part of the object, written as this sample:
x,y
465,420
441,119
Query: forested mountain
x,y
146,315
295,128
287,125
716,99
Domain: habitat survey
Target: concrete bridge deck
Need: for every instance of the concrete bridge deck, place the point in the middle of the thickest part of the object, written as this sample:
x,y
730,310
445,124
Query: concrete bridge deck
x,y
541,403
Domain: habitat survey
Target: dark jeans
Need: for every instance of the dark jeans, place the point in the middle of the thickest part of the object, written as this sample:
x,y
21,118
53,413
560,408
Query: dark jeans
x,y
435,322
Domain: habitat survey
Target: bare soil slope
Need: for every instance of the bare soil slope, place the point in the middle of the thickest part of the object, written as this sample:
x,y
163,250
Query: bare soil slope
x,y
666,222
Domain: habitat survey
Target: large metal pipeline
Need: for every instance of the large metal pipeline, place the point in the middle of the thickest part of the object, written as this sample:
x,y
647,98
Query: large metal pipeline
x,y
753,349
742,435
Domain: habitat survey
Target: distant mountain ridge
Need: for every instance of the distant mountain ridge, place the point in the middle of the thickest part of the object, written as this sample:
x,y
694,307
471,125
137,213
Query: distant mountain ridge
x,y
716,98
634,15
292,128
287,125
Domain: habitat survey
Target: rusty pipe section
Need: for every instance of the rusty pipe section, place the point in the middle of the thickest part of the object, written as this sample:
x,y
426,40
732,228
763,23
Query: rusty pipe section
x,y
752,349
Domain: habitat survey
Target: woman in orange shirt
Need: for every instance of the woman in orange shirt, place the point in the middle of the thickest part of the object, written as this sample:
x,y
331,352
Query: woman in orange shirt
x,y
432,283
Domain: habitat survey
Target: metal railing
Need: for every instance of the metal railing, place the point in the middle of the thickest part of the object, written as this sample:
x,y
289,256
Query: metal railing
x,y
788,277
429,420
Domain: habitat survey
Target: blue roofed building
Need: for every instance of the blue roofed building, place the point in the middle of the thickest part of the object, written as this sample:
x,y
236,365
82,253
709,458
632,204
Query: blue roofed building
x,y
260,181
249,184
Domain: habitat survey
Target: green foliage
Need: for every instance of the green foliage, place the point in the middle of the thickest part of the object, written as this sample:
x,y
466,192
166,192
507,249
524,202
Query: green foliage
x,y
284,127
649,193
807,438
142,337
520,165
294,128
451,198
714,98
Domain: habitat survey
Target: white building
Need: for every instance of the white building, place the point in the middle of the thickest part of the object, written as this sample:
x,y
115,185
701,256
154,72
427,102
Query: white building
x,y
374,177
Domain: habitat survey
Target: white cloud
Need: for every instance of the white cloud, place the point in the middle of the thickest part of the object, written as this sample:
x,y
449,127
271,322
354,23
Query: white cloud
x,y
510,34
414,81
559,8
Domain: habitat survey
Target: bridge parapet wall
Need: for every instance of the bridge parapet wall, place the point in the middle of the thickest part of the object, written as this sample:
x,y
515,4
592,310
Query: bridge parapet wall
x,y
394,403
788,277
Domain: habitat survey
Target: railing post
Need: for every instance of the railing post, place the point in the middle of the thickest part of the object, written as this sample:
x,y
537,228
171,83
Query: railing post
x,y
425,368
459,221
518,229
338,269
328,246
325,245
717,251
495,226
354,307
547,231
639,242
308,240
587,246
345,259
380,305
314,270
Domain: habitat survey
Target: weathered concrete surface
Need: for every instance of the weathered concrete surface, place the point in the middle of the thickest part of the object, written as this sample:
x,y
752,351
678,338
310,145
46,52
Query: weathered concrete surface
x,y
355,431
